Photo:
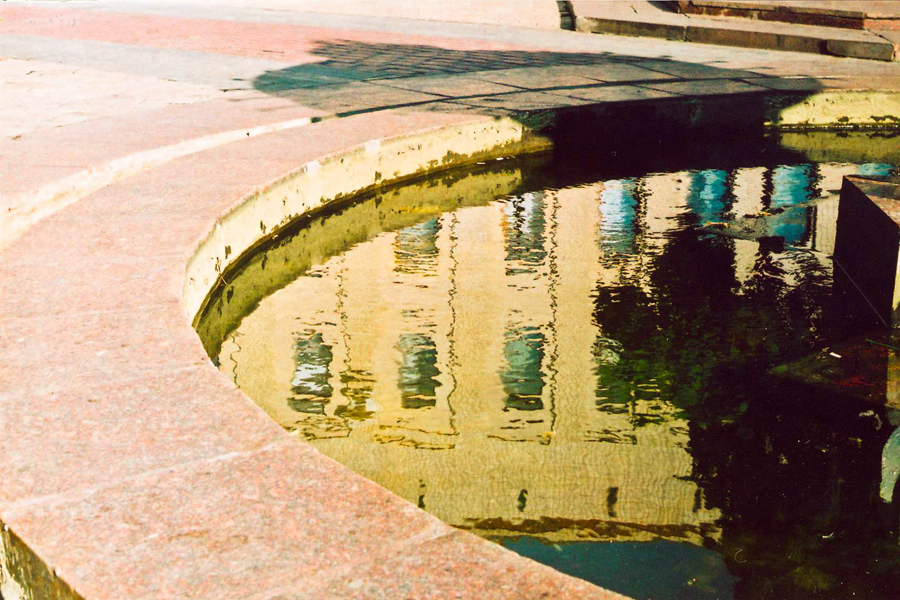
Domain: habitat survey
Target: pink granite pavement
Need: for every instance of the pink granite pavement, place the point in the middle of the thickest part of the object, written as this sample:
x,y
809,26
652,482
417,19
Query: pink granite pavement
x,y
130,467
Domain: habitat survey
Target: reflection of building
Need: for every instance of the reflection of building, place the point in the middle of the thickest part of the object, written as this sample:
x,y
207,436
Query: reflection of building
x,y
454,362
459,362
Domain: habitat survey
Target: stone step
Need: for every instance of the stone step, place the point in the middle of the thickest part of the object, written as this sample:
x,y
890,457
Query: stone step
x,y
647,19
829,13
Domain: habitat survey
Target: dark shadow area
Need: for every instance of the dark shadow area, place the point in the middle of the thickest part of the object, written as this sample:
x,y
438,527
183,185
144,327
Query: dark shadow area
x,y
796,473
668,7
360,61
579,99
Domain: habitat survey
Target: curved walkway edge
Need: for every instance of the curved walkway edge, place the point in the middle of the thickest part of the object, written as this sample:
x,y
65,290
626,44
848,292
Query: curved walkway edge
x,y
140,471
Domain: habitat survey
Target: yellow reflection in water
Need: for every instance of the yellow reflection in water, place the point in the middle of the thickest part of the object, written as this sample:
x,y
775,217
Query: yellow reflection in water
x,y
455,363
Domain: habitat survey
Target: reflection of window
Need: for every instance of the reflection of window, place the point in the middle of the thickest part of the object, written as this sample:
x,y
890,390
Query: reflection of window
x,y
791,185
524,231
877,169
415,248
618,209
523,379
418,371
310,386
612,393
708,198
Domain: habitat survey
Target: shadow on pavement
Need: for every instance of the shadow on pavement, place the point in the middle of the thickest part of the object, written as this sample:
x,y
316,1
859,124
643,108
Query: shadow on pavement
x,y
354,77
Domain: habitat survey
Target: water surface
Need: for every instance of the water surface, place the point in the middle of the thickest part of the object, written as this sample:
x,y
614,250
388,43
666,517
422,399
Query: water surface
x,y
579,371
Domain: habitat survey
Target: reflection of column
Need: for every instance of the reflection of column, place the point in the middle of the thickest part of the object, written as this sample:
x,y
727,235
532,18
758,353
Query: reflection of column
x,y
578,224
831,175
357,385
370,318
665,199
745,254
479,328
749,190
824,231
528,315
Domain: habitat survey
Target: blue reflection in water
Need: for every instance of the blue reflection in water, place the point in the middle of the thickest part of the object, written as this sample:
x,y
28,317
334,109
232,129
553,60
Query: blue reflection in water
x,y
709,189
618,207
792,185
877,170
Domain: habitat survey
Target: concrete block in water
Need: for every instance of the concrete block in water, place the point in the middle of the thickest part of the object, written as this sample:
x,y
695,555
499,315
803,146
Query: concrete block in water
x,y
867,246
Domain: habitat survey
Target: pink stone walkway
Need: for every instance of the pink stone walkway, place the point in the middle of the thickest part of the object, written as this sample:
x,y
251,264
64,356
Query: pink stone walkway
x,y
129,466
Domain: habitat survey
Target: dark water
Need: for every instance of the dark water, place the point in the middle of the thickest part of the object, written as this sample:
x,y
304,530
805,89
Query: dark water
x,y
581,372
657,569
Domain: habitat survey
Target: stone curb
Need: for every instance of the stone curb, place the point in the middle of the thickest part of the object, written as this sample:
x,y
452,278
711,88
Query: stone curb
x,y
768,36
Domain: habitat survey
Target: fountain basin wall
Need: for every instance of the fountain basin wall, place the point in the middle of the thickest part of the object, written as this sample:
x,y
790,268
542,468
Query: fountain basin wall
x,y
267,210
344,175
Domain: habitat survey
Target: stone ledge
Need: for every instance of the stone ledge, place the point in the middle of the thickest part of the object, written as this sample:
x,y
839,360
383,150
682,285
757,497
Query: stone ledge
x,y
592,17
